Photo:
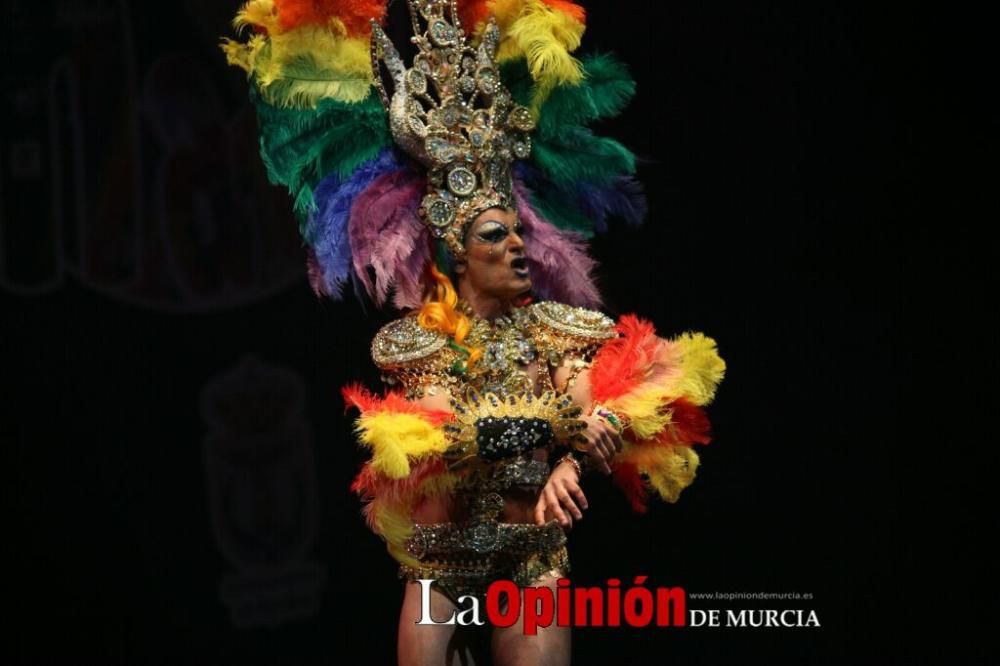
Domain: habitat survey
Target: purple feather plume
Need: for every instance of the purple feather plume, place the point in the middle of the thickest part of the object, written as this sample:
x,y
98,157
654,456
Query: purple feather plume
x,y
388,236
326,228
558,261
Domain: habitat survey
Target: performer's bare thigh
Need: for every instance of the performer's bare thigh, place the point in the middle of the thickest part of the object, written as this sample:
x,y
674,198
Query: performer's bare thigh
x,y
427,644
549,647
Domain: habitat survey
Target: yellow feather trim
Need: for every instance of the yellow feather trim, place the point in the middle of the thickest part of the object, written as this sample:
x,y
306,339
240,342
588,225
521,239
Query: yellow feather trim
x,y
394,438
394,524
238,54
644,408
669,469
702,368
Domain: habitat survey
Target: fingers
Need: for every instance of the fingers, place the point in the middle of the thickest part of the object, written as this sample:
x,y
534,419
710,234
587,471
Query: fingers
x,y
564,499
568,504
540,510
552,500
616,439
600,457
578,495
607,447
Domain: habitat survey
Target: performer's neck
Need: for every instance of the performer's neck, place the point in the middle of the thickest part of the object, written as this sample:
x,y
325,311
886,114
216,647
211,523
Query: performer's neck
x,y
484,306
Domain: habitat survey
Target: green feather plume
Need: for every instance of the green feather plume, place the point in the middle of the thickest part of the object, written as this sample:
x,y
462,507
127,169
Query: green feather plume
x,y
300,147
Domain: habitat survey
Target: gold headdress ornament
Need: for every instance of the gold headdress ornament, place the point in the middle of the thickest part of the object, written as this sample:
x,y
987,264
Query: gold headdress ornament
x,y
451,112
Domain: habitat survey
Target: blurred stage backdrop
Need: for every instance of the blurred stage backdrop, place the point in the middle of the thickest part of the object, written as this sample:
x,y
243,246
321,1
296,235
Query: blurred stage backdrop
x,y
179,453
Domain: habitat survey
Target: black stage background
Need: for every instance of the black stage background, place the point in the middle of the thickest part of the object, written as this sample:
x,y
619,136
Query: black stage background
x,y
182,495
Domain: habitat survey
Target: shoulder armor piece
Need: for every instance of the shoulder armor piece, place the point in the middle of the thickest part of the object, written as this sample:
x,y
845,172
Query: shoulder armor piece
x,y
404,340
577,322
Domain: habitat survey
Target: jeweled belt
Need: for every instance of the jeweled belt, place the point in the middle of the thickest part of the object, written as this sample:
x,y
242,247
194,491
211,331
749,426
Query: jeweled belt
x,y
452,541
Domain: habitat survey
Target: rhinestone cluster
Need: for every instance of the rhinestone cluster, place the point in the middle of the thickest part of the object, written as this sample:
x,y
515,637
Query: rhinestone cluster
x,y
504,437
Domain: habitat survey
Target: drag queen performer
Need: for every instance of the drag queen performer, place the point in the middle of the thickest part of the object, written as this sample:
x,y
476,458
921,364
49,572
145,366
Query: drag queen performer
x,y
459,189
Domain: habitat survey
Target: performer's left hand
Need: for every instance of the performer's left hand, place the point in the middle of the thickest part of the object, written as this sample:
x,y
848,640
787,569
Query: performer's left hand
x,y
602,442
561,498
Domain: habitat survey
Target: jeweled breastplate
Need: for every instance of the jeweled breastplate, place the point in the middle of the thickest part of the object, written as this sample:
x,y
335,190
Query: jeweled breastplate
x,y
508,351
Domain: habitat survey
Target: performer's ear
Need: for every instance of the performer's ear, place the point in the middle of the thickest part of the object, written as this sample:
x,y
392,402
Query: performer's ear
x,y
459,268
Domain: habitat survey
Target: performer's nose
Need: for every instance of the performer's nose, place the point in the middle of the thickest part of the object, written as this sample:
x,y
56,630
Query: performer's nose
x,y
516,242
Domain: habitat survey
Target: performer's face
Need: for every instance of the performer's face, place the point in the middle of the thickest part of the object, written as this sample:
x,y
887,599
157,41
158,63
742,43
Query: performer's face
x,y
495,263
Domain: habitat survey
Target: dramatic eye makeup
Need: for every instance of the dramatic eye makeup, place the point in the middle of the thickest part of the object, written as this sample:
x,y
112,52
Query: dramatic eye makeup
x,y
492,231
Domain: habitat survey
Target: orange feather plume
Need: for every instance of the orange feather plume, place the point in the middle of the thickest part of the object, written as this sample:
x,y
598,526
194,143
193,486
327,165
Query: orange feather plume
x,y
354,13
472,12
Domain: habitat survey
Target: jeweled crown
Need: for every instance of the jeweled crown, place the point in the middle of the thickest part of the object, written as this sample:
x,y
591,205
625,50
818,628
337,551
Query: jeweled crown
x,y
451,112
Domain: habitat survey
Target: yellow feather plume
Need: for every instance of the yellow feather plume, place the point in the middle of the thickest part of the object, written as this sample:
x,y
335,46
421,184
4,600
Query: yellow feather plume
x,y
395,438
258,13
644,408
670,469
394,524
702,368
300,67
545,37
674,473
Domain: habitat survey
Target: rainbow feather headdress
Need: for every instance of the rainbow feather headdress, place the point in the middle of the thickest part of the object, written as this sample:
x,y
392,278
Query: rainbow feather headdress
x,y
364,191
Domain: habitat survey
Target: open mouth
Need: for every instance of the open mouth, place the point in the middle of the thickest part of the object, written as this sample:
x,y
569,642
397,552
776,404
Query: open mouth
x,y
520,266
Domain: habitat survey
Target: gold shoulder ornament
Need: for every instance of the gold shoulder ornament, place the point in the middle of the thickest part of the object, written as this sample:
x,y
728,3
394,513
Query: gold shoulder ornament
x,y
560,329
404,341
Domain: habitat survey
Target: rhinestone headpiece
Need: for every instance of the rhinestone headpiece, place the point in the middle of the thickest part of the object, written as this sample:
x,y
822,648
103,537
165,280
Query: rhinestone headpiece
x,y
451,112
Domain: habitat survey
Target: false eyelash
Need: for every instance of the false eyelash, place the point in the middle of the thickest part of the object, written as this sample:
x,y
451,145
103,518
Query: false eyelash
x,y
494,236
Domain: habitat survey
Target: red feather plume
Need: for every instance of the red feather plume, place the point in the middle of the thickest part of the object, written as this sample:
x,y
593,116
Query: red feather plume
x,y
621,364
356,395
627,477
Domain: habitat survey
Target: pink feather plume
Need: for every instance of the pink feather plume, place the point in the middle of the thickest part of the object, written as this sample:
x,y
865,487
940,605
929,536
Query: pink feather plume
x,y
386,234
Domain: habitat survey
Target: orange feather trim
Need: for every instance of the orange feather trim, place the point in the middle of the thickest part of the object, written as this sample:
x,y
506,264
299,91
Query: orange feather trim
x,y
369,484
622,364
354,13
578,13
356,395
